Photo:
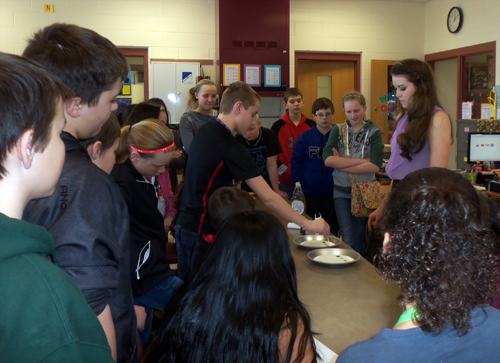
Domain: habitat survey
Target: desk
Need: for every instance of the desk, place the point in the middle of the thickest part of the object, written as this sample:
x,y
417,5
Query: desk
x,y
347,305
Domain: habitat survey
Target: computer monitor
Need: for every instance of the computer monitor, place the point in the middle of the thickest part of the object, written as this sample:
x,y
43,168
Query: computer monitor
x,y
483,147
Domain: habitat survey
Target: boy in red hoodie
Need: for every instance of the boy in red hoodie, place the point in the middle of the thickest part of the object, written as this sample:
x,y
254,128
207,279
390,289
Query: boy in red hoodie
x,y
289,128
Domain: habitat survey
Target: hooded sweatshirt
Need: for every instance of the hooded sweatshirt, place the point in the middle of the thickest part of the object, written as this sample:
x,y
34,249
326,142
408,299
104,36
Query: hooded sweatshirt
x,y
366,143
44,315
308,166
288,134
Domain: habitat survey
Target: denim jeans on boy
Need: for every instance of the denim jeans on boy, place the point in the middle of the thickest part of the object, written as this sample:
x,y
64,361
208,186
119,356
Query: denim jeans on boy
x,y
351,228
185,240
156,298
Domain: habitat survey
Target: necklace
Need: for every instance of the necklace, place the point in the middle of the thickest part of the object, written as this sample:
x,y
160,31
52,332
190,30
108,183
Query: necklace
x,y
223,124
258,139
408,315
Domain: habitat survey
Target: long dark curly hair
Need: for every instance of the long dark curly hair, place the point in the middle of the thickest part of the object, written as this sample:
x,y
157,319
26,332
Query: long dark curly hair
x,y
234,308
421,108
441,251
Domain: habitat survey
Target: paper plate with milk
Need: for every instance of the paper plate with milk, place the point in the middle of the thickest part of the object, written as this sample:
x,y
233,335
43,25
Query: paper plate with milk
x,y
333,257
313,241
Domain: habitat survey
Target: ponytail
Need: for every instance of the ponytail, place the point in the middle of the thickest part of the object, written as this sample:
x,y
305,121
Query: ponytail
x,y
150,134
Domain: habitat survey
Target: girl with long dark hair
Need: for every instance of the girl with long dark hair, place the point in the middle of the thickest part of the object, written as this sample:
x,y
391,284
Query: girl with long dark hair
x,y
424,134
242,305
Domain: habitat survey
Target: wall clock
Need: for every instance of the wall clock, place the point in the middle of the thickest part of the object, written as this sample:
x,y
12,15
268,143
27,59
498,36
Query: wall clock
x,y
455,19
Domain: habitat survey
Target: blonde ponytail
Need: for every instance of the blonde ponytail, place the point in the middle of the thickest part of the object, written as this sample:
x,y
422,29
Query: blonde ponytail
x,y
149,134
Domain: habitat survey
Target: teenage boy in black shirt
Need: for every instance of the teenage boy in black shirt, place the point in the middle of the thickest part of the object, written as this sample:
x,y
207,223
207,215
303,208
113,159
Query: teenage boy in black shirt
x,y
215,160
264,146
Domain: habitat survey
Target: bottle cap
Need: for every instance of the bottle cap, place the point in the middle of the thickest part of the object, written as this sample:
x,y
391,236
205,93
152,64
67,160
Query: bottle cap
x,y
297,184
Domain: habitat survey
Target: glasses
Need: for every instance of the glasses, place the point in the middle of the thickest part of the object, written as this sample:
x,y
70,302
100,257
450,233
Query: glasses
x,y
328,114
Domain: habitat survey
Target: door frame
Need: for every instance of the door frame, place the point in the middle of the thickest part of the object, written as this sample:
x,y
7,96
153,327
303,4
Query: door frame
x,y
140,52
330,56
460,54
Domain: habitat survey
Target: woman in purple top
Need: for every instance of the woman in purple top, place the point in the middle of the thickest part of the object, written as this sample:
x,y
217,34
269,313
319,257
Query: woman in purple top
x,y
424,134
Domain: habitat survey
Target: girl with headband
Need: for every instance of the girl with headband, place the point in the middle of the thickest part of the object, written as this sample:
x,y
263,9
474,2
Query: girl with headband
x,y
146,149
202,98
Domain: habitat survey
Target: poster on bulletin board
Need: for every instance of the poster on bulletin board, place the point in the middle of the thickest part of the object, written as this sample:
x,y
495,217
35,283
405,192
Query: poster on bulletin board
x,y
252,75
231,73
272,76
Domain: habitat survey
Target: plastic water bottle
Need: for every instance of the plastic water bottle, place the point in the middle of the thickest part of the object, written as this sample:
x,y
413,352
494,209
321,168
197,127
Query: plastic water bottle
x,y
298,199
391,107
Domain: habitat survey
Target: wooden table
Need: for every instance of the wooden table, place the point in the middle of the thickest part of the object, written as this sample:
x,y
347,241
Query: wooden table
x,y
347,304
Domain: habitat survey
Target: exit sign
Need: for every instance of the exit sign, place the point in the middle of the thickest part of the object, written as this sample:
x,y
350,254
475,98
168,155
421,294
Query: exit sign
x,y
49,8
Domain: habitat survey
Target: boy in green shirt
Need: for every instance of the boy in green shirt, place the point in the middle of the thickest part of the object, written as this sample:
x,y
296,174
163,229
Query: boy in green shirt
x,y
44,315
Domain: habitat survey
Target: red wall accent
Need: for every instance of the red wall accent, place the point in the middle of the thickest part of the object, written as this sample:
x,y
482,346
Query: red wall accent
x,y
254,32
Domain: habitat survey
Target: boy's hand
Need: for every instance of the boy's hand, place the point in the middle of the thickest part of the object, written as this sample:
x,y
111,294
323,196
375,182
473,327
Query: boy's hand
x,y
140,312
335,152
374,218
281,193
167,222
177,153
318,226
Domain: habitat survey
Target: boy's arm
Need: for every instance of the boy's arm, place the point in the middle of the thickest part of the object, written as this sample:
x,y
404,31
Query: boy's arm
x,y
335,161
277,204
108,326
272,170
376,156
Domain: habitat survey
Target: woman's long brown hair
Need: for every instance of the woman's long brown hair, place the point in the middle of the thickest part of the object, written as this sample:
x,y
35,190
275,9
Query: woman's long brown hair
x,y
421,108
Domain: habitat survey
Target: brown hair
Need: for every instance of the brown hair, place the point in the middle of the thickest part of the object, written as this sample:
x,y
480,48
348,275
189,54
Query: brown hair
x,y
142,111
110,131
149,134
354,95
85,61
238,92
442,249
322,103
225,202
192,101
291,92
28,99
421,108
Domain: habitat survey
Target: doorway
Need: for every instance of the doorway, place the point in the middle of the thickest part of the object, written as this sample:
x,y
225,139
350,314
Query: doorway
x,y
445,74
329,75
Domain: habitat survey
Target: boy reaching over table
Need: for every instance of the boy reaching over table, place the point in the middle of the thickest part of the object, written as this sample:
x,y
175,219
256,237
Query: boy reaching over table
x,y
215,160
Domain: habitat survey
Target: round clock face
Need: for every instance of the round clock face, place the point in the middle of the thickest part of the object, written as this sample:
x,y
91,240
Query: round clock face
x,y
454,20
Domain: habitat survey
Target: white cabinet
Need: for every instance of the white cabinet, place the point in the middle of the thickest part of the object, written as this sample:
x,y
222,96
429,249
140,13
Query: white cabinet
x,y
171,83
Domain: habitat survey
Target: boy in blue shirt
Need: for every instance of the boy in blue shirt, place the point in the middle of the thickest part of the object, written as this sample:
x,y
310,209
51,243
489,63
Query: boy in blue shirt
x,y
308,166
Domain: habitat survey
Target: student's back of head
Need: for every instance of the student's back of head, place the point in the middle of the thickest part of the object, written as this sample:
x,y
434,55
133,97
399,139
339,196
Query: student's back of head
x,y
238,92
243,296
102,147
439,248
85,61
225,202
29,100
142,111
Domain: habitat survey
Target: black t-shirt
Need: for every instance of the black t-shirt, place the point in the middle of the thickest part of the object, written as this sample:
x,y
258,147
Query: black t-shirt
x,y
215,159
266,145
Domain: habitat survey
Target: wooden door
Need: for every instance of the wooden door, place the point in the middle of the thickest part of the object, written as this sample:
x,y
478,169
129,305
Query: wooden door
x,y
379,94
342,75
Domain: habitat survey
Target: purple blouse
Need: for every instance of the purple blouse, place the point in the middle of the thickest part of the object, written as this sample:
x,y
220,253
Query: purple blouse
x,y
399,167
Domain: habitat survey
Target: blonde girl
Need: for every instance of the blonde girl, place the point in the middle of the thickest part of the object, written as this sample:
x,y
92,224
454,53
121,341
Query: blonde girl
x,y
146,149
362,156
202,98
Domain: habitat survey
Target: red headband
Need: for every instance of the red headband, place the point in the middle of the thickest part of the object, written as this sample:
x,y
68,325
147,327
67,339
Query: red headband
x,y
153,151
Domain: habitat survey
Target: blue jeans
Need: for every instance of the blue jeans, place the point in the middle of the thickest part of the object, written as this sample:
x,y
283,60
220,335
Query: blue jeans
x,y
351,228
157,298
185,241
